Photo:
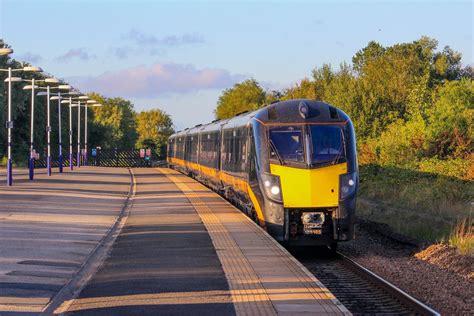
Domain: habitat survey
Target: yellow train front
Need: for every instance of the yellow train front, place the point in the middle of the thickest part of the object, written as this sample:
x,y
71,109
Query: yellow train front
x,y
291,166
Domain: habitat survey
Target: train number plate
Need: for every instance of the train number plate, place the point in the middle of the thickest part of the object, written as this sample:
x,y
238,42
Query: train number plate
x,y
312,231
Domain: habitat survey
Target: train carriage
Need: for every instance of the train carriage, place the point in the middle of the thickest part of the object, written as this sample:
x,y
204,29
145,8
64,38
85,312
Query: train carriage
x,y
291,166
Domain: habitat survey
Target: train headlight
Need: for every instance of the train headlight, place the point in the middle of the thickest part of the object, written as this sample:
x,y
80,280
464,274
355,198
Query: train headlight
x,y
347,184
271,185
275,190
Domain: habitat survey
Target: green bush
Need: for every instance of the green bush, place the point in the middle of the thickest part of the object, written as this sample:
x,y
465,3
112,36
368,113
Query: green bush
x,y
422,205
458,168
402,143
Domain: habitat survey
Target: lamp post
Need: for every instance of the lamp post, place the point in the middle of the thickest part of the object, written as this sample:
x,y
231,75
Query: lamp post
x,y
80,98
31,160
71,165
88,103
9,123
69,101
33,87
48,115
78,159
58,97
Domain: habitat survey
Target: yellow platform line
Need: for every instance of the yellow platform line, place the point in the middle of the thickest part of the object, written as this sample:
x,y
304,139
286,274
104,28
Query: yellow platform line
x,y
248,294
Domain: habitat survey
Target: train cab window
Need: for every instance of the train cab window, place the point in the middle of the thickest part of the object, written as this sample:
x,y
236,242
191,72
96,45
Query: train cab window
x,y
328,144
286,143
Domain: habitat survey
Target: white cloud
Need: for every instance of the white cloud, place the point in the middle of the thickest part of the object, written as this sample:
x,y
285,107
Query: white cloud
x,y
157,79
137,42
141,38
76,53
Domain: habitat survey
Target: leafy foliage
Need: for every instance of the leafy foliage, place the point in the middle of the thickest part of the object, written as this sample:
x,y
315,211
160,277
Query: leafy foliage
x,y
153,128
244,96
116,122
411,105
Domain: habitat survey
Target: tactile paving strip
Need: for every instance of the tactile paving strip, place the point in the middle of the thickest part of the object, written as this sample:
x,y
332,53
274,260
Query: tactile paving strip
x,y
267,283
248,294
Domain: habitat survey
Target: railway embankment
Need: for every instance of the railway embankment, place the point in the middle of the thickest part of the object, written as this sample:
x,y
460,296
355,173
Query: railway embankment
x,y
434,274
427,207
415,230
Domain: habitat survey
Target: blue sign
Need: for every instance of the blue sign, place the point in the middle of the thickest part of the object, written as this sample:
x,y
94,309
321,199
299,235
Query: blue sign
x,y
94,152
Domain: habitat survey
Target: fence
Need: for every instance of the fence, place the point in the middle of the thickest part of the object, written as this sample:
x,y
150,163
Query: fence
x,y
124,158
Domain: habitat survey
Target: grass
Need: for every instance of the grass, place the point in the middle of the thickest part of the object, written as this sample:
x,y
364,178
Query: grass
x,y
421,205
462,237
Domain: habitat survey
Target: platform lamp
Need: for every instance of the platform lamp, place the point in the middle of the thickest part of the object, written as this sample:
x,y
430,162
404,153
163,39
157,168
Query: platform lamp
x,y
69,102
9,123
60,144
83,98
48,115
33,87
88,103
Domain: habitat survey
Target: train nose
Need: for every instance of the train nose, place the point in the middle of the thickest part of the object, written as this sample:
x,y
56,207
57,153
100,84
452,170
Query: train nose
x,y
309,188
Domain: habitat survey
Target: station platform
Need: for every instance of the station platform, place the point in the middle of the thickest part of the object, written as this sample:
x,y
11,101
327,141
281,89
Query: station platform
x,y
174,247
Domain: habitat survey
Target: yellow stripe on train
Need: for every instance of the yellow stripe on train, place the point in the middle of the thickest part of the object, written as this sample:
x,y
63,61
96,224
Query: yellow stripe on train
x,y
226,178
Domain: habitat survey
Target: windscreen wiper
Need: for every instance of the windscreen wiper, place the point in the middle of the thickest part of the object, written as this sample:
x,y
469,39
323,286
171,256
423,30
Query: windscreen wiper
x,y
338,156
277,154
340,150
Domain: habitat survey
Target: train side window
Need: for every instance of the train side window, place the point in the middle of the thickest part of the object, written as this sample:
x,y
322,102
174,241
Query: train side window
x,y
227,150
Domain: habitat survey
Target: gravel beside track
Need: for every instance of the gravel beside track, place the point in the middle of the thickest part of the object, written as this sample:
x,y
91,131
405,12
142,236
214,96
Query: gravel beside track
x,y
446,291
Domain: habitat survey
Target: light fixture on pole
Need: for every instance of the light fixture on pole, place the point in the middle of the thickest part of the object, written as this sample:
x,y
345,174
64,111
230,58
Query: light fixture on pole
x,y
31,160
83,101
80,98
5,51
70,103
33,87
60,144
88,103
49,82
9,123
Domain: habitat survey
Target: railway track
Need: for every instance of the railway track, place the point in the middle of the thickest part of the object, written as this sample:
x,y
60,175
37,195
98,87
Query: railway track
x,y
360,290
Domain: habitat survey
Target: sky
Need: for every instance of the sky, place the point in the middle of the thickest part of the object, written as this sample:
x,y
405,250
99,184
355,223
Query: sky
x,y
178,56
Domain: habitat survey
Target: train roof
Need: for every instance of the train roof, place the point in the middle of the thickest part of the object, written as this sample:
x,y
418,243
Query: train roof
x,y
289,112
278,112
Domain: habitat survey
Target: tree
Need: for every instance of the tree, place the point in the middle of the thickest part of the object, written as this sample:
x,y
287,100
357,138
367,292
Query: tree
x,y
116,122
372,51
450,120
305,89
386,80
153,128
245,96
447,65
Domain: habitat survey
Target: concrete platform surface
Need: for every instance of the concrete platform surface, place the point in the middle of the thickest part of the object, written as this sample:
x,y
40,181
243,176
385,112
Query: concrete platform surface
x,y
186,251
103,241
49,227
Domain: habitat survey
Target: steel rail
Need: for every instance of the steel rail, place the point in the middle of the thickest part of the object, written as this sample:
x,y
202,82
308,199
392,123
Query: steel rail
x,y
408,300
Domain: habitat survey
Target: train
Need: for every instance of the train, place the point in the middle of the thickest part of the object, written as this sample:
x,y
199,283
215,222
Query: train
x,y
291,166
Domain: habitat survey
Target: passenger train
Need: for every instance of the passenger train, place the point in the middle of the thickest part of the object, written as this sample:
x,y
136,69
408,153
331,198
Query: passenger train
x,y
291,166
